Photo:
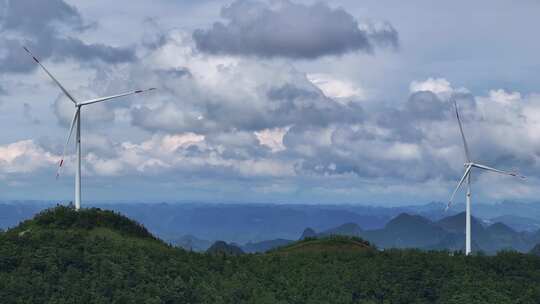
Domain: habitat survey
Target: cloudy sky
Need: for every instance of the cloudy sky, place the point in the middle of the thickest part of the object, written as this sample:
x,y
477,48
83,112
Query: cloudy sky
x,y
271,101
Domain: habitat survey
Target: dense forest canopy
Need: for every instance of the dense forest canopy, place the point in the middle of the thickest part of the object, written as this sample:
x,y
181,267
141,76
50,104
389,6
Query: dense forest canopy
x,y
96,256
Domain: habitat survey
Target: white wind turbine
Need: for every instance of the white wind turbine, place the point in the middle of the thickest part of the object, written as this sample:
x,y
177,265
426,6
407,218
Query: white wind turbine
x,y
467,176
76,123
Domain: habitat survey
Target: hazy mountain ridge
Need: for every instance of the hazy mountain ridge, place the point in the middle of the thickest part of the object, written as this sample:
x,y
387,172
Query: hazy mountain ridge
x,y
222,248
191,243
406,231
414,231
265,246
536,250
196,226
518,223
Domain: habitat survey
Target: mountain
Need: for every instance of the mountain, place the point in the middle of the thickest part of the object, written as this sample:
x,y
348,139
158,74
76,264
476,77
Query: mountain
x,y
99,256
504,237
518,223
264,246
332,243
405,231
192,243
11,214
89,220
238,223
196,226
535,250
222,248
90,254
414,231
456,224
348,229
491,239
532,237
242,223
308,233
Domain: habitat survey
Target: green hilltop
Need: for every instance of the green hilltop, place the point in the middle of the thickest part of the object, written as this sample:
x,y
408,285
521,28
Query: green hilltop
x,y
98,256
67,219
330,243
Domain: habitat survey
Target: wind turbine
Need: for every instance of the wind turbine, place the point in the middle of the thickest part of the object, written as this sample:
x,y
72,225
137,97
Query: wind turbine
x,y
76,124
469,165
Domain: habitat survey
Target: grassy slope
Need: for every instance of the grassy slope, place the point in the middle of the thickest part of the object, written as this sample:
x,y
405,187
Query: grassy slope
x,y
326,244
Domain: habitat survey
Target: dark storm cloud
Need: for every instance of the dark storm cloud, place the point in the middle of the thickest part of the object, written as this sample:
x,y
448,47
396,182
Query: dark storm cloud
x,y
309,107
175,72
426,105
279,106
37,16
80,50
358,151
421,108
276,96
290,30
390,142
41,26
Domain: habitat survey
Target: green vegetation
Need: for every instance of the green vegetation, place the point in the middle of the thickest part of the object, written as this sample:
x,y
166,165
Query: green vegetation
x,y
63,217
536,250
96,256
222,248
331,243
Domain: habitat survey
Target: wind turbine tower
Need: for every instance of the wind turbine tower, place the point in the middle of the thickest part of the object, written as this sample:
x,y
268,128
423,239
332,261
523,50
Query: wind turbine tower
x,y
76,125
469,165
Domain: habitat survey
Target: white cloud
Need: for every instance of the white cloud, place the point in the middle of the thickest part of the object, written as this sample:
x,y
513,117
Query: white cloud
x,y
272,138
24,157
171,143
402,151
172,153
223,93
104,167
435,85
503,97
336,88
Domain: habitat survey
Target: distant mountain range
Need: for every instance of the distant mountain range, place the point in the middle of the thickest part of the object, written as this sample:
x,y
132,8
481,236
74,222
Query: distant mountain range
x,y
222,248
261,227
265,246
191,243
414,231
536,250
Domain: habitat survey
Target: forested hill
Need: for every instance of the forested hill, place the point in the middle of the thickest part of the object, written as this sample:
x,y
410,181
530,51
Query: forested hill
x,y
96,256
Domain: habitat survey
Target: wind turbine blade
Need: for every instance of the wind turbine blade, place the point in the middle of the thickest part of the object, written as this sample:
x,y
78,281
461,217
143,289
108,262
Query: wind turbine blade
x,y
498,171
467,171
73,122
465,146
50,75
91,101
